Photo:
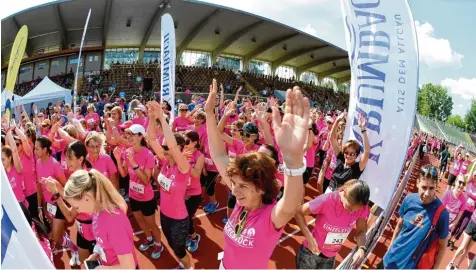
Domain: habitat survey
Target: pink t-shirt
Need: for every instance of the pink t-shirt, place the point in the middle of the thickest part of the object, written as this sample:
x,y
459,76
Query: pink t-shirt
x,y
333,222
114,236
253,148
470,196
104,165
173,184
50,168
141,121
253,248
332,164
464,167
17,182
181,124
193,185
235,149
92,124
323,135
455,169
137,189
209,164
311,154
321,124
84,226
29,173
202,134
452,204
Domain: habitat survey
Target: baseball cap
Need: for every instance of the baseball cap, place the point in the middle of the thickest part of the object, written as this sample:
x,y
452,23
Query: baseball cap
x,y
250,128
141,107
126,125
136,129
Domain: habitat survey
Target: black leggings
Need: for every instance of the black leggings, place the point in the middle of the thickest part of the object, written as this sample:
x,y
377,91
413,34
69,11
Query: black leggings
x,y
208,181
33,205
192,205
176,232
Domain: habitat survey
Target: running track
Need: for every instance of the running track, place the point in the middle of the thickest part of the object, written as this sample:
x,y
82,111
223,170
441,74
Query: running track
x,y
210,228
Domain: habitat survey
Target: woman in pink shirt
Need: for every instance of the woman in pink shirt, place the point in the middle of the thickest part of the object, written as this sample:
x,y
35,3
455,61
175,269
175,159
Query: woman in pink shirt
x,y
181,122
92,118
465,164
455,202
456,167
93,194
336,215
464,219
140,117
138,162
13,168
173,180
26,143
257,221
100,161
311,149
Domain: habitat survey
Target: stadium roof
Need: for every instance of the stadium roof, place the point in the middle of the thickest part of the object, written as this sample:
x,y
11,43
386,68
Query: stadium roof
x,y
199,26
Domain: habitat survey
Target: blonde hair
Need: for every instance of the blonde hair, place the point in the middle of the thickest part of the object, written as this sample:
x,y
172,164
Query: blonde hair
x,y
72,131
102,189
91,107
95,136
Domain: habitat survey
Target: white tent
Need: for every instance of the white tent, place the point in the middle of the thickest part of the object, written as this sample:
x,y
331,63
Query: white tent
x,y
4,99
45,92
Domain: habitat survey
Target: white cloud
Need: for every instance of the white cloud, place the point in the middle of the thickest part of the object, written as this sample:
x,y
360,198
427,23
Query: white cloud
x,y
309,29
435,52
464,87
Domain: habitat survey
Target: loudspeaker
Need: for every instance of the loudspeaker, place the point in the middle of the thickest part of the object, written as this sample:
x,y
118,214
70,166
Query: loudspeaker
x,y
148,84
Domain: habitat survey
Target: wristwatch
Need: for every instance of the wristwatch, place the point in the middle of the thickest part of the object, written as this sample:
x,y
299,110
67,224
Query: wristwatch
x,y
295,172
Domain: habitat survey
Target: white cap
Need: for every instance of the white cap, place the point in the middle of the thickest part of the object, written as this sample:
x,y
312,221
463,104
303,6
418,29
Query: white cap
x,y
329,119
136,128
140,107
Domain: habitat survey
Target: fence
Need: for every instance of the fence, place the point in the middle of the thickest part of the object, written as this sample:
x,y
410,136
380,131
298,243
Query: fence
x,y
373,235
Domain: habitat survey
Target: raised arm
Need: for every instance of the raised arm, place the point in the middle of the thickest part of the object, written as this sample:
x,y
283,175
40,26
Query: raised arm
x,y
182,162
291,135
152,137
16,157
365,156
221,127
215,142
24,141
335,145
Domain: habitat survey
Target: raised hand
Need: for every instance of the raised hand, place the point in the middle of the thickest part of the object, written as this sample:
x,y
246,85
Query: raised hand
x,y
362,121
210,104
117,153
292,131
50,184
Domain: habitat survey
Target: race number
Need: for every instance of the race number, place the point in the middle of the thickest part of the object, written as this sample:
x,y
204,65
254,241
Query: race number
x,y
336,238
165,182
139,188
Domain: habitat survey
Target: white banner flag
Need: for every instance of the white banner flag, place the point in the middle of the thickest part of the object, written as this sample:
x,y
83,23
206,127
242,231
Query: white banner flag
x,y
20,247
76,77
383,54
167,62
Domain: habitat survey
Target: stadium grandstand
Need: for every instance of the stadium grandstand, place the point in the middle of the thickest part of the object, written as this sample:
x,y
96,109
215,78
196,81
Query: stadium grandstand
x,y
449,133
122,50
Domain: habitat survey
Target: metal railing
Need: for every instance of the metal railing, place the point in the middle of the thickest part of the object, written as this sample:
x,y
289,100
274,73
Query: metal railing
x,y
373,235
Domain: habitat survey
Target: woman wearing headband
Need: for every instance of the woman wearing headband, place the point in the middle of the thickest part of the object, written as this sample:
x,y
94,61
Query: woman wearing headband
x,y
257,221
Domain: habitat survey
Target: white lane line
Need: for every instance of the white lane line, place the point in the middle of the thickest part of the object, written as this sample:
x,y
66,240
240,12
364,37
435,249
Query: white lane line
x,y
290,235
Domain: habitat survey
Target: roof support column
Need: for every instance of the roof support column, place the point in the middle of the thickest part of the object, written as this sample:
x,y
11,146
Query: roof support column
x,y
157,15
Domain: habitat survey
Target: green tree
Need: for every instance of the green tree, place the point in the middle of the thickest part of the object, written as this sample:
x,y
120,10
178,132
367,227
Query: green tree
x,y
456,120
470,118
434,102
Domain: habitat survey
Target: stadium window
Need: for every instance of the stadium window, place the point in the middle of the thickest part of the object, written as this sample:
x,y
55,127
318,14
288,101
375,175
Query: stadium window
x,y
151,56
308,77
259,67
230,62
54,63
286,72
196,58
120,55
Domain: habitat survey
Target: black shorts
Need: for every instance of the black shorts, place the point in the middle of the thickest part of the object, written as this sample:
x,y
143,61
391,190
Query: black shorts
x,y
471,230
231,201
307,174
147,208
209,179
443,167
451,180
58,215
176,232
85,244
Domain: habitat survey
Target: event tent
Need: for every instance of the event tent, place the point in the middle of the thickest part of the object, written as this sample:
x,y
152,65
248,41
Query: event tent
x,y
4,99
45,92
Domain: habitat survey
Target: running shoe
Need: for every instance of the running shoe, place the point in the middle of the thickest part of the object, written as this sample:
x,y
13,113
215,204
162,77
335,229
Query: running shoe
x,y
188,240
449,266
74,259
207,207
194,243
156,251
146,245
224,220
213,207
452,246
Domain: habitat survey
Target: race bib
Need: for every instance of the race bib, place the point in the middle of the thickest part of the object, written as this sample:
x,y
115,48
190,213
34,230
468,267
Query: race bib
x,y
329,190
470,202
51,208
79,226
336,238
209,161
164,182
139,188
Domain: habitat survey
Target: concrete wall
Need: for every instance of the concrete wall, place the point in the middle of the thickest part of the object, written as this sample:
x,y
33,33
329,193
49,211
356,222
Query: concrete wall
x,y
41,69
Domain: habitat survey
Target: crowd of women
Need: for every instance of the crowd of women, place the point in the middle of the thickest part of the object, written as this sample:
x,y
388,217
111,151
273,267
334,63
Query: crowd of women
x,y
63,170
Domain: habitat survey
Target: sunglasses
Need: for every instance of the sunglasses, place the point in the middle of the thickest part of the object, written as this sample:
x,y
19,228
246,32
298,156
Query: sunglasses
x,y
165,147
187,141
353,154
18,143
236,130
241,223
245,134
462,183
429,171
183,110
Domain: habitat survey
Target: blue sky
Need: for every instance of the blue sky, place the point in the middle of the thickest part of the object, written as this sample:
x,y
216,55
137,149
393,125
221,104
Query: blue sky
x,y
445,29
